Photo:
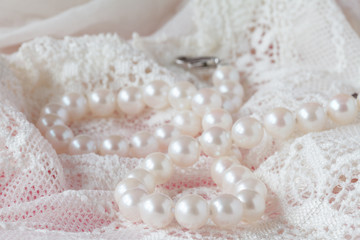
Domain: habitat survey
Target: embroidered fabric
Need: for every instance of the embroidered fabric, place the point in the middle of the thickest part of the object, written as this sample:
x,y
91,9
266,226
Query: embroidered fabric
x,y
288,53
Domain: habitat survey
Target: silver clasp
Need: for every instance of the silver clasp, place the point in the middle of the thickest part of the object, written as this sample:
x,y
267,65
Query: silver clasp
x,y
198,62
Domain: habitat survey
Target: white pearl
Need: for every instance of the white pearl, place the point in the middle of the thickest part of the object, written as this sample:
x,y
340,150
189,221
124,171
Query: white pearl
x,y
114,145
217,118
226,211
59,136
253,184
184,151
187,122
232,95
180,95
253,203
279,123
218,168
233,175
129,204
143,143
311,117
145,177
205,99
56,109
342,109
156,210
160,165
47,121
155,94
216,142
130,101
76,105
247,132
102,102
125,185
192,212
225,74
82,144
164,134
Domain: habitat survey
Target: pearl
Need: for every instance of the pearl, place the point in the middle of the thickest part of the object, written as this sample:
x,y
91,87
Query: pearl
x,y
205,99
164,134
160,165
76,105
143,143
279,123
114,145
102,102
184,151
145,177
155,94
129,204
56,109
217,118
180,95
232,95
156,210
125,185
225,74
342,109
192,211
233,175
47,121
247,132
253,184
59,136
311,117
82,144
188,123
218,168
130,101
226,211
216,142
253,203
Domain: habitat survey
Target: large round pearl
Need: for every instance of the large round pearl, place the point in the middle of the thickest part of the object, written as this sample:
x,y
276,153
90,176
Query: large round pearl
x,y
125,185
192,211
164,134
82,144
184,151
156,210
130,100
143,143
225,74
145,177
342,109
253,184
76,105
129,204
102,102
217,118
56,109
226,211
160,165
218,168
155,94
205,99
247,132
232,95
233,175
114,145
216,142
279,123
47,121
59,136
311,117
253,203
187,122
180,95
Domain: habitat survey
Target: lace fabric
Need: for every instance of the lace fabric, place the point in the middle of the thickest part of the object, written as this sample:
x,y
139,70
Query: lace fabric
x,y
288,53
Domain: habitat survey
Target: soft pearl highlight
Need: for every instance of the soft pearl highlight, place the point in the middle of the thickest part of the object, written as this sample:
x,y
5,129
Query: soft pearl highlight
x,y
205,99
143,143
129,204
160,165
130,101
233,175
184,151
247,132
76,105
279,123
188,123
82,144
253,203
342,109
311,117
217,118
114,145
226,211
216,142
155,94
102,102
59,136
180,95
145,177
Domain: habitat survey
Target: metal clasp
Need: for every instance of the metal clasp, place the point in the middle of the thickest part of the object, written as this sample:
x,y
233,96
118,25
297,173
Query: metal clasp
x,y
198,62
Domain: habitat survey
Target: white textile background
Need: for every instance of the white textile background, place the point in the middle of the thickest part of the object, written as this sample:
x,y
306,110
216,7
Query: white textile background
x,y
288,53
